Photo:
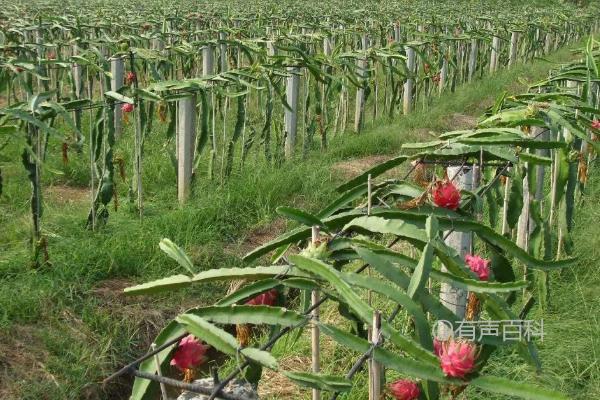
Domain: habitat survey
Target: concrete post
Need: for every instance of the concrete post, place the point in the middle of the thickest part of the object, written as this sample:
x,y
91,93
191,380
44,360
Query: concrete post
x,y
186,137
514,46
292,90
117,69
494,54
451,297
223,51
472,59
362,65
208,60
410,81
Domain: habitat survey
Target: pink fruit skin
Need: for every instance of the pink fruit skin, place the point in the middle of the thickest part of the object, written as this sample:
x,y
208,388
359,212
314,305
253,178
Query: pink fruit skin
x,y
189,354
446,195
130,78
264,299
457,358
127,108
405,390
596,124
437,347
479,265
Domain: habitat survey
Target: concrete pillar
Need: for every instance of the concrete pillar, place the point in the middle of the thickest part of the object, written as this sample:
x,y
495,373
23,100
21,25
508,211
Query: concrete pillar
x,y
514,46
186,138
117,69
410,81
292,90
453,298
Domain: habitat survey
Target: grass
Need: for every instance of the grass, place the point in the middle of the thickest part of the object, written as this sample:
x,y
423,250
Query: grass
x,y
65,327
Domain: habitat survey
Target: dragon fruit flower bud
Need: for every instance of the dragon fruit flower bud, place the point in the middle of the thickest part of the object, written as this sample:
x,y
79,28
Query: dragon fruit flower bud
x,y
405,389
446,195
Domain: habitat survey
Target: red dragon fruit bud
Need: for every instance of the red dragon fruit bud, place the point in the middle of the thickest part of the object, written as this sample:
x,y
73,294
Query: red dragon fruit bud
x,y
458,358
189,354
479,265
130,78
446,195
268,298
51,56
127,108
405,389
596,124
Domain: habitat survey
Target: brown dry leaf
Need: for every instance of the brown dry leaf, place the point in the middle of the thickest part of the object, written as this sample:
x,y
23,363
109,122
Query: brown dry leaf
x,y
413,203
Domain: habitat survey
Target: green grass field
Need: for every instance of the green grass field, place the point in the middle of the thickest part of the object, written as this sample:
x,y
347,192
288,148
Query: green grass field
x,y
65,327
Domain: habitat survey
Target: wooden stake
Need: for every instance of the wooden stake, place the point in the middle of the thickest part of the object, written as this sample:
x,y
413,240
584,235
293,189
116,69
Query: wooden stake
x,y
507,184
375,368
163,388
315,343
369,194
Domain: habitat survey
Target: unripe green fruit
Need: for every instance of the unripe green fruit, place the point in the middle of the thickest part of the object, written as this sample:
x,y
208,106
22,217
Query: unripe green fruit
x,y
318,251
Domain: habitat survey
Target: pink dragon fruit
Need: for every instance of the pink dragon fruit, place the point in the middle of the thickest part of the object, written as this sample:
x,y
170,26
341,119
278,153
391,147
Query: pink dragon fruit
x,y
458,357
189,354
596,124
405,389
268,298
127,108
446,195
479,265
130,78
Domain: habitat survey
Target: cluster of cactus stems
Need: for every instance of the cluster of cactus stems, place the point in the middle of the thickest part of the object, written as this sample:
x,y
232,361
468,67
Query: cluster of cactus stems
x,y
255,77
520,233
288,69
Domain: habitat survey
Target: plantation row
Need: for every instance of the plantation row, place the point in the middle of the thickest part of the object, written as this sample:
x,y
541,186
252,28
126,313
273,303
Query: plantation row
x,y
239,80
484,218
